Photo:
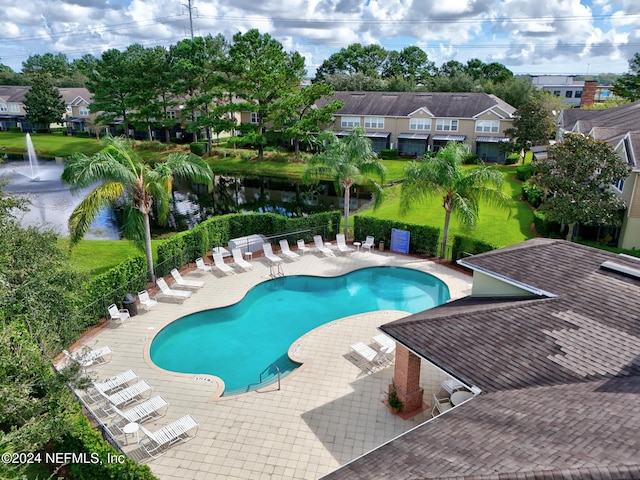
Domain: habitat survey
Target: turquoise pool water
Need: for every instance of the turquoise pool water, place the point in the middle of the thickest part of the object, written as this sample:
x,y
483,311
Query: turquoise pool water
x,y
240,342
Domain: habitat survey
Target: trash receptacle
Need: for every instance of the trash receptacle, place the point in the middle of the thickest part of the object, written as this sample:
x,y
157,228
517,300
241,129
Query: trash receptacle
x,y
129,303
381,246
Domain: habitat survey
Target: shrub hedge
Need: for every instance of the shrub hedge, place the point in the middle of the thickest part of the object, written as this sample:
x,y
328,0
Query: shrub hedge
x,y
466,245
532,194
389,154
524,172
545,227
198,148
423,239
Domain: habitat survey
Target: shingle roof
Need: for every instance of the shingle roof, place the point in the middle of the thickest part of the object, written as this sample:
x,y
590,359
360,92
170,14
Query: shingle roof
x,y
559,371
401,104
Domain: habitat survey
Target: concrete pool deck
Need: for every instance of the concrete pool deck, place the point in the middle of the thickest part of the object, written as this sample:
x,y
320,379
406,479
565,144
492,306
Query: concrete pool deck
x,y
327,413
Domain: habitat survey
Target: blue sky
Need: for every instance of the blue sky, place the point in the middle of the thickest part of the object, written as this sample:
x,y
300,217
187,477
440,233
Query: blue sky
x,y
539,37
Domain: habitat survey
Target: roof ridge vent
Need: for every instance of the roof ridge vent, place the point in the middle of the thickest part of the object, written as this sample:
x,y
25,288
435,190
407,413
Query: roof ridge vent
x,y
625,270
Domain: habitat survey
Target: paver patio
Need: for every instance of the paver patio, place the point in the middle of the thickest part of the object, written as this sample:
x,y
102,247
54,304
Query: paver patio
x,y
327,413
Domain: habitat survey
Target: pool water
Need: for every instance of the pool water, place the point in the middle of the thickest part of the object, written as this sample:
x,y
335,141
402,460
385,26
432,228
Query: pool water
x,y
241,342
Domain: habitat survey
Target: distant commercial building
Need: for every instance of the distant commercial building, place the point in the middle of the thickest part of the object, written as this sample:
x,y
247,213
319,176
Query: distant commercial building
x,y
577,93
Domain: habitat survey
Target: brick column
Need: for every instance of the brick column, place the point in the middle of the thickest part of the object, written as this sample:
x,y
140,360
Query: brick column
x,y
406,379
588,93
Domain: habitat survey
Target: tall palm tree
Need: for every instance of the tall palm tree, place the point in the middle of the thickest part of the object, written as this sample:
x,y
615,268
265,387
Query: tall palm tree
x,y
122,173
461,189
349,161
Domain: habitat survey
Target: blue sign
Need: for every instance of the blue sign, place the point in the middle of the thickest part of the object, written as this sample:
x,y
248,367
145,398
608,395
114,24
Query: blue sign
x,y
399,241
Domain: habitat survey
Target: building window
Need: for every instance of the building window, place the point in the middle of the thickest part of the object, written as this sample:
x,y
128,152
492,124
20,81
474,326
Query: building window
x,y
349,122
69,109
568,94
487,126
83,111
3,107
556,93
255,117
446,125
171,114
619,185
420,124
14,107
373,122
578,94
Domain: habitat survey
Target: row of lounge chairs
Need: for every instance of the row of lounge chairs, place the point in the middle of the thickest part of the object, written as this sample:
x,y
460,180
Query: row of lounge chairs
x,y
375,358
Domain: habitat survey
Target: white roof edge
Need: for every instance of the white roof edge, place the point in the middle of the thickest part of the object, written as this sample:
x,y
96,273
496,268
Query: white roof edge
x,y
507,280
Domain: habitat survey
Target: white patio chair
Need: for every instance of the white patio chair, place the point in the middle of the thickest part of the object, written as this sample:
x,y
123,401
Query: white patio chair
x,y
302,247
156,443
320,246
452,385
368,243
125,396
374,358
145,300
268,253
342,244
181,282
286,251
118,315
239,261
385,342
201,265
112,384
440,405
153,408
90,358
218,263
171,292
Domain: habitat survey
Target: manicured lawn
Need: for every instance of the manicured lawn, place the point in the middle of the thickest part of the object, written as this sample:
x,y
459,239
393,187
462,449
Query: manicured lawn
x,y
494,226
97,256
53,145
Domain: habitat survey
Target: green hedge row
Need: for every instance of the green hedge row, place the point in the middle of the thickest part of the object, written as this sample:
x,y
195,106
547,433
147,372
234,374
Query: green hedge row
x,y
466,245
389,154
217,231
102,460
198,148
130,276
543,226
423,239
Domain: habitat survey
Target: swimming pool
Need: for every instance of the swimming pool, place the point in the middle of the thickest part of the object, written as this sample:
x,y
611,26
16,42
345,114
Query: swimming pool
x,y
240,342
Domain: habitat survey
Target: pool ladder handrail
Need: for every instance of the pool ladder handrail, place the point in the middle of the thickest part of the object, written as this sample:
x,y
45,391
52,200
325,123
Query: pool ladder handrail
x,y
277,369
275,270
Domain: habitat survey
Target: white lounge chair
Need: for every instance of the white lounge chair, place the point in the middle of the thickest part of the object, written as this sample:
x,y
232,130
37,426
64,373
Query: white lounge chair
x,y
113,384
146,300
181,282
374,358
201,265
171,292
286,251
155,407
218,263
342,244
385,342
239,261
368,243
302,247
90,358
118,315
320,246
269,255
125,396
156,443
440,405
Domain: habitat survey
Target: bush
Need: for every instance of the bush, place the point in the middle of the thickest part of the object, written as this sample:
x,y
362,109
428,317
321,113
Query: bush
x,y
82,134
532,194
524,172
466,245
512,159
543,226
198,148
422,240
470,159
389,154
601,246
15,130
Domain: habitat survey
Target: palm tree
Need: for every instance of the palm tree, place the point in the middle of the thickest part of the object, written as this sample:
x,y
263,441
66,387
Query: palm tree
x,y
349,160
461,189
122,173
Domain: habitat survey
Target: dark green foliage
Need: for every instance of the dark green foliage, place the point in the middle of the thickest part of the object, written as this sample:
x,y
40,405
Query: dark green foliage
x,y
15,130
464,246
423,240
524,172
470,159
43,103
601,246
532,194
389,154
83,134
512,159
545,227
198,148
628,85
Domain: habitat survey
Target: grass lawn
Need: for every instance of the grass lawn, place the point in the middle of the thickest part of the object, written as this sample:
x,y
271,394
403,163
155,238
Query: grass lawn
x,y
53,145
95,257
494,225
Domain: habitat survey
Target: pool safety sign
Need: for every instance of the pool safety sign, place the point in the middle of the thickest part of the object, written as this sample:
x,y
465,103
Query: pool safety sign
x,y
399,241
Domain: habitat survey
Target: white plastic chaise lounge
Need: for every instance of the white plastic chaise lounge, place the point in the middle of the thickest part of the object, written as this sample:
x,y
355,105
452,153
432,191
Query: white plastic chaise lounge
x,y
201,265
171,292
385,342
320,246
368,243
181,282
302,247
145,300
156,443
126,395
286,251
218,262
342,244
374,358
239,261
113,384
118,315
155,407
91,358
269,255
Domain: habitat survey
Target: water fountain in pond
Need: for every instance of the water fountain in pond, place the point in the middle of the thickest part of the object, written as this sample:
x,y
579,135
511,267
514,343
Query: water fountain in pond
x,y
33,160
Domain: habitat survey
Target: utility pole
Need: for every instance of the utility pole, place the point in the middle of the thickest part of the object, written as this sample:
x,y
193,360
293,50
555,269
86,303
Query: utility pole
x,y
190,8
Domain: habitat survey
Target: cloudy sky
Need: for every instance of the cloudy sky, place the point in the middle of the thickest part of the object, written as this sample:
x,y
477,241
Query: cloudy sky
x,y
529,37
